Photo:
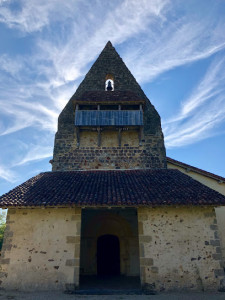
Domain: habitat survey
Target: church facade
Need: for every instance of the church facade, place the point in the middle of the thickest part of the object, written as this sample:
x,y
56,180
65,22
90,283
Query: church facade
x,y
110,206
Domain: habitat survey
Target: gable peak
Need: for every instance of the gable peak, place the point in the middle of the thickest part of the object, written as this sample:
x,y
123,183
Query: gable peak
x,y
109,45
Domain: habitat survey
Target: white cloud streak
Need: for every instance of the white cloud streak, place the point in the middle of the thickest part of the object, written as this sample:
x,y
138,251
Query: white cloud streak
x,y
201,112
35,152
180,43
31,16
7,174
61,59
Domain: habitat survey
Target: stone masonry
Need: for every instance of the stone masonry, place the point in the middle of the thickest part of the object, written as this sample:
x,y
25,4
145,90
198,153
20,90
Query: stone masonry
x,y
41,249
179,249
149,153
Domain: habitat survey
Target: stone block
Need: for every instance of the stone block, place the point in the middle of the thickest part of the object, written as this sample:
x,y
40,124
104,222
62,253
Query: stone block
x,y
142,274
77,272
142,217
209,214
11,211
3,274
219,272
140,228
142,250
78,227
76,217
218,250
144,261
4,261
8,234
215,243
155,269
216,235
217,256
71,262
145,239
6,247
71,239
77,239
213,227
77,250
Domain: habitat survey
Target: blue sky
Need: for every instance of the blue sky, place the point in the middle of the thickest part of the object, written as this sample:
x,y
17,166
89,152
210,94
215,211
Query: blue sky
x,y
175,49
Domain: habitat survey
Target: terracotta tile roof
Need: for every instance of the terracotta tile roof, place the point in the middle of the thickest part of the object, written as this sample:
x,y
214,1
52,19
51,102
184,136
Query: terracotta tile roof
x,y
194,169
109,96
119,188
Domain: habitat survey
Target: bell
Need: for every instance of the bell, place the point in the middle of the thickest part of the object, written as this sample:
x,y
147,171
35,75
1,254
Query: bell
x,y
109,86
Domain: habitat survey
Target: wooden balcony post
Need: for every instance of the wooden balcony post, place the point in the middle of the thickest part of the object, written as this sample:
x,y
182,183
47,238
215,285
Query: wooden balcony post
x,y
119,137
99,136
77,129
140,135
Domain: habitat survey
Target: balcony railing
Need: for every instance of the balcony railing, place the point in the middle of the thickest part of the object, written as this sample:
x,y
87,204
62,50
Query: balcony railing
x,y
108,118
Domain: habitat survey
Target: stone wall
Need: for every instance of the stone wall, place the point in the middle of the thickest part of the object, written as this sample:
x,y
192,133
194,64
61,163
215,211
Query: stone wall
x,y
41,249
216,185
179,249
68,156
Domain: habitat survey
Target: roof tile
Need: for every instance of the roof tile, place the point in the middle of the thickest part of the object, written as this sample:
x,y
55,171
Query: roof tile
x,y
103,188
109,96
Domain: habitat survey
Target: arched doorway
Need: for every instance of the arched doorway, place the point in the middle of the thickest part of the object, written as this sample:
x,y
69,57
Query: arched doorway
x,y
108,255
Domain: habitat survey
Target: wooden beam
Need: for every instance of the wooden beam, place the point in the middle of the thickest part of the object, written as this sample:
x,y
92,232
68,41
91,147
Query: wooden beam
x,y
77,129
119,137
99,136
140,135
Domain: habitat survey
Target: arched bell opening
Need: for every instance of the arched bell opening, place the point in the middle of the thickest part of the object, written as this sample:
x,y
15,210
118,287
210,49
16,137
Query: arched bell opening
x,y
109,82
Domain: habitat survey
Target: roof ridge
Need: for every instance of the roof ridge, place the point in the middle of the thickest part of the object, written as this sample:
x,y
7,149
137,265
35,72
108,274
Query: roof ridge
x,y
209,174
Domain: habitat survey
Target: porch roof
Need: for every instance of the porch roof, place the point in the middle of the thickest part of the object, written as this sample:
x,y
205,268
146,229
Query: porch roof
x,y
111,188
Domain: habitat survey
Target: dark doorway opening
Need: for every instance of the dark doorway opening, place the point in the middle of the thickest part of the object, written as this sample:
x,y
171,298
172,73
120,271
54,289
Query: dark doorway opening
x,y
108,255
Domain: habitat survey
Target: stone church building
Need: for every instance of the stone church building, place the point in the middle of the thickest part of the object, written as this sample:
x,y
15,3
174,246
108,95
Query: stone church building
x,y
113,205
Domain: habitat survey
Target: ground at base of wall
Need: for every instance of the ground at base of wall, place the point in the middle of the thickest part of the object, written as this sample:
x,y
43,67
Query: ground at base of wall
x,y
56,295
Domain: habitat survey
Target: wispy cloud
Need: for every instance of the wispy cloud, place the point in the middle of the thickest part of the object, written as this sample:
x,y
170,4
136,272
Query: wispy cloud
x,y
201,112
30,16
23,114
171,45
7,174
35,152
120,22
9,65
62,58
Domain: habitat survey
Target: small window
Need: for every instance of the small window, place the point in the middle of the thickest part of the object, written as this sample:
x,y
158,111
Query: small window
x,y
109,82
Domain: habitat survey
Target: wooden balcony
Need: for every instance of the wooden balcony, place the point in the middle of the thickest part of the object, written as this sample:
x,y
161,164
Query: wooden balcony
x,y
108,118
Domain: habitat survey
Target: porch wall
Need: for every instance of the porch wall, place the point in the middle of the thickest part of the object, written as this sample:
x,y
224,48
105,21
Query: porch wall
x,y
215,184
41,249
179,249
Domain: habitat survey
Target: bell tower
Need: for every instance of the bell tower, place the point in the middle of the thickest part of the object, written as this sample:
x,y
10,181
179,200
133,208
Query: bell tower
x,y
109,123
